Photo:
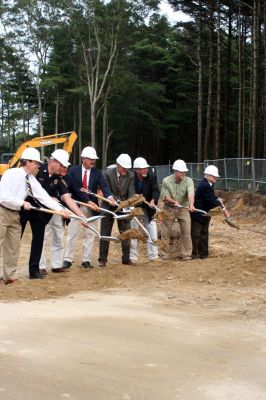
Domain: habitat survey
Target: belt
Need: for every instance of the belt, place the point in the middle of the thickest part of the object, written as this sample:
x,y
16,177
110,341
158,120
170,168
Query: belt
x,y
6,208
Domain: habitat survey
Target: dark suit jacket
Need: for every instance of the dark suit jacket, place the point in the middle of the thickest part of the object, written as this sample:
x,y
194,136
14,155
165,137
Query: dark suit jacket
x,y
127,188
205,199
74,179
150,191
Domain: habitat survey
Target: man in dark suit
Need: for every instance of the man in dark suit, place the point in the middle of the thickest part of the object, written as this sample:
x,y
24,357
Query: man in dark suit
x,y
205,199
146,184
121,183
88,177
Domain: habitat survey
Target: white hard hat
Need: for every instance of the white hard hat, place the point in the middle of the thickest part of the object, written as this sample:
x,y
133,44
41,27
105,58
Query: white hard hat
x,y
124,160
31,154
180,165
140,162
212,170
61,156
89,152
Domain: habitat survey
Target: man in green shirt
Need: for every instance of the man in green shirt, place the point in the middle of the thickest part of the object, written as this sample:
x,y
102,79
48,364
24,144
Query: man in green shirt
x,y
178,196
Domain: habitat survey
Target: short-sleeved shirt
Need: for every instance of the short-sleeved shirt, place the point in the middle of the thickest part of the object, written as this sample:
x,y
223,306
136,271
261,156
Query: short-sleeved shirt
x,y
178,191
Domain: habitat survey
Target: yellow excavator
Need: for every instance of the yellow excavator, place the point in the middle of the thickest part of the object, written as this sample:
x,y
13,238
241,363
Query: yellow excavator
x,y
68,139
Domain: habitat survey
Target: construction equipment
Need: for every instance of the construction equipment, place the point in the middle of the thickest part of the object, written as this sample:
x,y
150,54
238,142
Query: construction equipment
x,y
67,139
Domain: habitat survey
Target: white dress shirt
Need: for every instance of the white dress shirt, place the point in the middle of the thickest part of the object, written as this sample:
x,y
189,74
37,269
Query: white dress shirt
x,y
13,190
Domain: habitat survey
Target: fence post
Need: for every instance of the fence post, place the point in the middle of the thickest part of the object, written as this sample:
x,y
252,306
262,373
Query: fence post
x,y
225,174
253,175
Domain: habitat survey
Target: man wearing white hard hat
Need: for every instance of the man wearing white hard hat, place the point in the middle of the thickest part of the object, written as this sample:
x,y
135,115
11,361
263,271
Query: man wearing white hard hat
x,y
178,196
121,182
205,199
15,186
88,177
48,176
145,184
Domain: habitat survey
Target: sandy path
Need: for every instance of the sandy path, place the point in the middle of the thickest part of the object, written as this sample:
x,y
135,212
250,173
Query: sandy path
x,y
115,345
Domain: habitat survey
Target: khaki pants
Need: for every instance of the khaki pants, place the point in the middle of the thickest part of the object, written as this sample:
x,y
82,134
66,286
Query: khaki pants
x,y
73,232
10,232
183,217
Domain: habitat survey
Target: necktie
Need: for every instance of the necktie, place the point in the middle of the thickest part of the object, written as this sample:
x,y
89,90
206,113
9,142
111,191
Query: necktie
x,y
84,181
29,185
119,185
31,192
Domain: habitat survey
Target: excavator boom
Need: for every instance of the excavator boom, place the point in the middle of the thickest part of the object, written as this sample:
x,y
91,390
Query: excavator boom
x,y
68,139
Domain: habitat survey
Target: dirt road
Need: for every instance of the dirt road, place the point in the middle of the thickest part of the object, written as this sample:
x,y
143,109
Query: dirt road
x,y
118,345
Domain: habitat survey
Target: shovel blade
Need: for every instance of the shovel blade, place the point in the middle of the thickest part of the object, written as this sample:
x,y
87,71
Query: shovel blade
x,y
125,216
110,238
95,218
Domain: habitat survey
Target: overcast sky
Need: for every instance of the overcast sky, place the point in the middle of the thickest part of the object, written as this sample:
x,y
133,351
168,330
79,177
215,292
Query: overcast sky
x,y
173,16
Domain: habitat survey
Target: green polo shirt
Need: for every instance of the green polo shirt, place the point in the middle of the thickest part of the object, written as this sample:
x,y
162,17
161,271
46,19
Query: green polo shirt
x,y
178,191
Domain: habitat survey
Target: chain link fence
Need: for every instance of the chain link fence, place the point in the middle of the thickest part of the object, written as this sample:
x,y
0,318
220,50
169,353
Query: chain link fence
x,y
246,174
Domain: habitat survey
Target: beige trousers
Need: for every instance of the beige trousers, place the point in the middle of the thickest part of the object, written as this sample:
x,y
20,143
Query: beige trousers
x,y
183,217
10,232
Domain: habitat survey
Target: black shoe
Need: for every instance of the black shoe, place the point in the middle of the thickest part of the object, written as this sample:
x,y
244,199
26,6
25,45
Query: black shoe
x,y
57,270
102,264
36,275
87,264
129,262
66,264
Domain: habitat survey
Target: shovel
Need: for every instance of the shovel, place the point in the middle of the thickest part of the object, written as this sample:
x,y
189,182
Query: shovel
x,y
98,196
73,216
205,213
115,216
107,238
144,230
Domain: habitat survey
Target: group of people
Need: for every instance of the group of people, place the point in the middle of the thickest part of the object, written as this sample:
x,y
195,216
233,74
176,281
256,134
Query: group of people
x,y
73,191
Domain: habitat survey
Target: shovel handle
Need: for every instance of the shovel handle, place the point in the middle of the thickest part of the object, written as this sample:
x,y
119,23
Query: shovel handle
x,y
46,210
81,203
98,196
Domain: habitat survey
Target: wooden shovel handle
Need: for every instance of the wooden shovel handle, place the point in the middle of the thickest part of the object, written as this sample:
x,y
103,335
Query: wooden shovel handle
x,y
98,196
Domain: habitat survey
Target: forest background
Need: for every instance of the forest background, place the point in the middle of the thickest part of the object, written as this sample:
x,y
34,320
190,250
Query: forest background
x,y
128,80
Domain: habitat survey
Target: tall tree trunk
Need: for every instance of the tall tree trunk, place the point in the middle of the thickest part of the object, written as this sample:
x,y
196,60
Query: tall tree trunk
x,y
227,89
23,117
56,111
210,90
264,101
2,119
218,99
240,83
200,83
80,125
255,79
93,124
104,137
39,95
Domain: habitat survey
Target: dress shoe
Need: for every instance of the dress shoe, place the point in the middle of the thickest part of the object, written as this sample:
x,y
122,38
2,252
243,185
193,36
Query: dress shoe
x,y
37,275
9,281
129,262
87,264
102,264
66,264
58,270
43,272
186,258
